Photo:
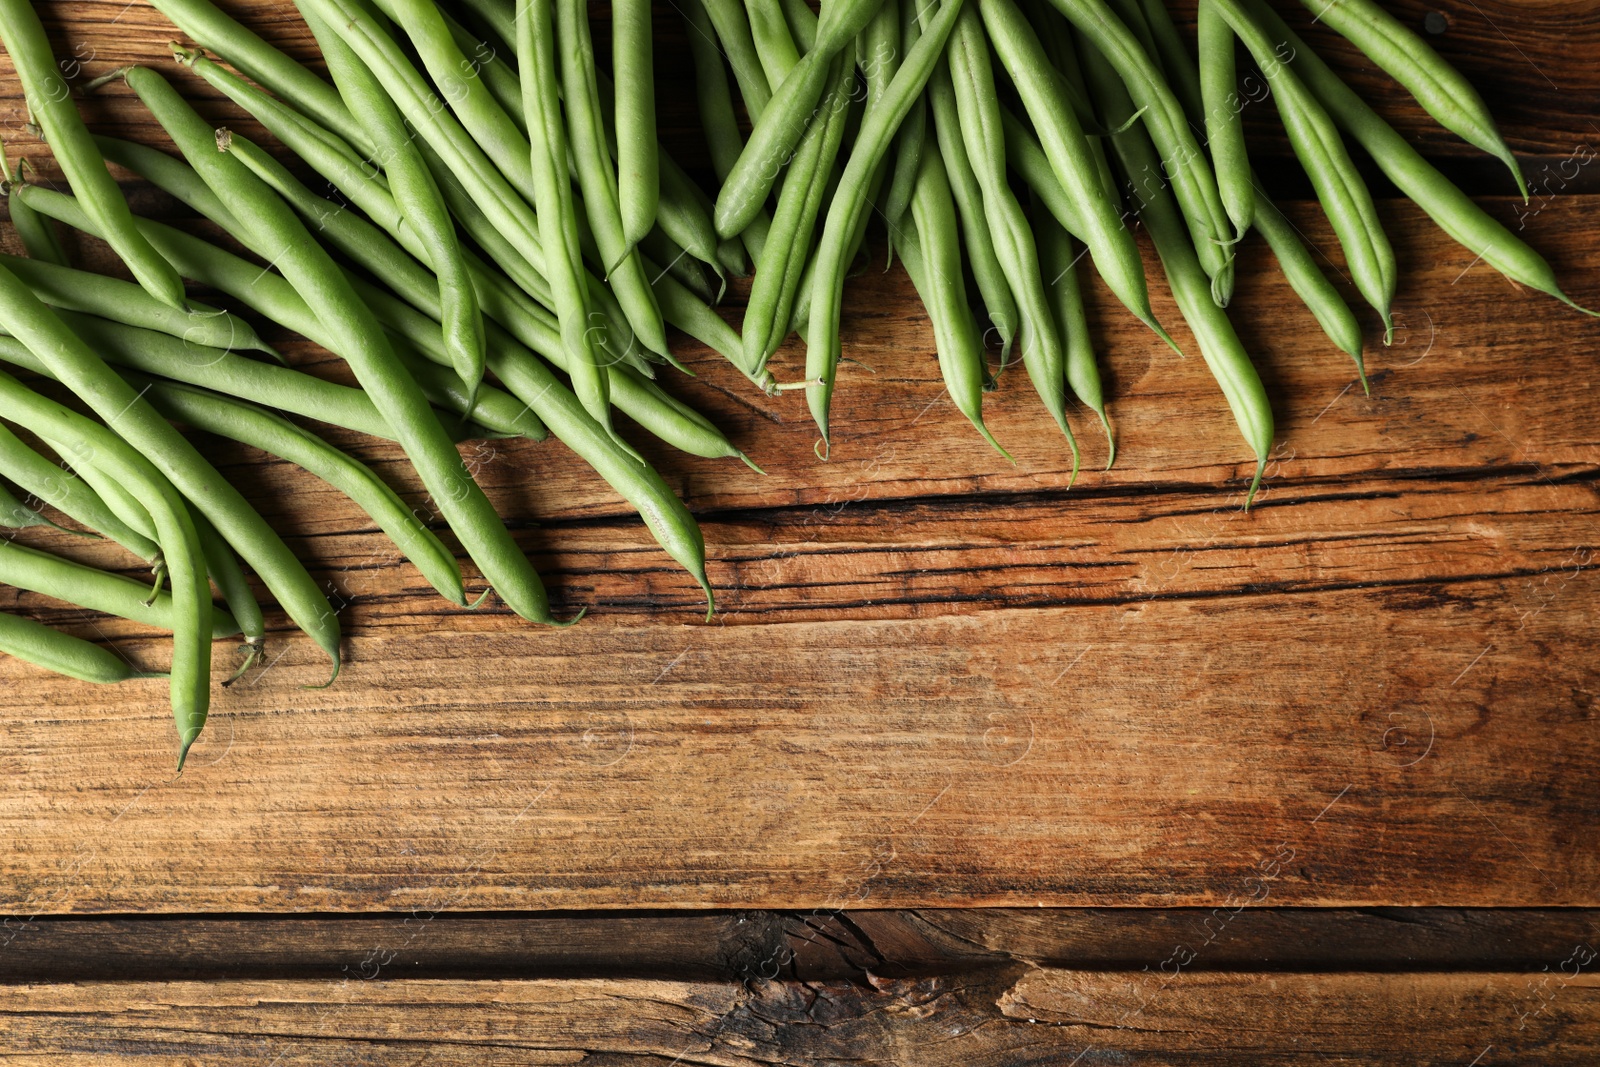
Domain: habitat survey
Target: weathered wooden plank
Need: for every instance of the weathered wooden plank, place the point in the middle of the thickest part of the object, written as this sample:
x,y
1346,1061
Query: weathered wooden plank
x,y
1011,1018
1421,745
750,946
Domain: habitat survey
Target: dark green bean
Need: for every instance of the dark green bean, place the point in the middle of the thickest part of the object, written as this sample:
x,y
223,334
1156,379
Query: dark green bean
x,y
935,269
418,198
1410,60
268,223
50,102
1448,206
1344,195
1219,93
1159,212
98,294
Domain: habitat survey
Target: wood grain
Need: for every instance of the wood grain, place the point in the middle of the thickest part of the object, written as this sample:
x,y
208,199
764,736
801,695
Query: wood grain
x,y
1012,1018
937,679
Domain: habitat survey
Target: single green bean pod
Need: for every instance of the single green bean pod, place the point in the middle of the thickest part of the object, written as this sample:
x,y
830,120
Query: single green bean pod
x,y
64,654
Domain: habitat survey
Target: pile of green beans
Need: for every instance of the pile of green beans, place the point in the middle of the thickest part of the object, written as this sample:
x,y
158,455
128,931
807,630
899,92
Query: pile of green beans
x,y
496,243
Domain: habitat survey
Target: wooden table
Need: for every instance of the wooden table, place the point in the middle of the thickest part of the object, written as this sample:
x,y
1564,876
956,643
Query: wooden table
x,y
970,767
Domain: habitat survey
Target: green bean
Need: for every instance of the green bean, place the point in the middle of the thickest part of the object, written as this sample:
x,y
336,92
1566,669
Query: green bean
x,y
369,248
913,135
680,264
787,117
638,397
1056,35
1000,305
1058,256
733,258
536,62
1308,281
638,165
16,515
597,181
981,127
279,437
202,22
97,294
732,26
1448,206
187,611
64,654
783,262
88,587
267,222
51,483
38,238
418,198
1219,91
1171,54
774,43
1043,93
1159,212
1410,60
717,118
263,383
684,214
1345,198
1026,156
1182,158
802,24
228,576
49,100
935,269
272,296
638,483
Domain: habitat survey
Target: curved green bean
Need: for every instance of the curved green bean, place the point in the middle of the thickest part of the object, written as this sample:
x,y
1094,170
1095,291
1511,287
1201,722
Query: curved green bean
x,y
1410,60
16,515
1448,206
228,576
978,105
279,437
1043,92
267,223
125,455
1000,304
52,483
732,26
38,238
1308,281
1058,256
935,269
210,28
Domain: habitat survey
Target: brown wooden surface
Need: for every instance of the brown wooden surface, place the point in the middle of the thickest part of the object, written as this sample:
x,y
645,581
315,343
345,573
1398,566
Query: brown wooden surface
x,y
991,1019
936,679
1265,985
